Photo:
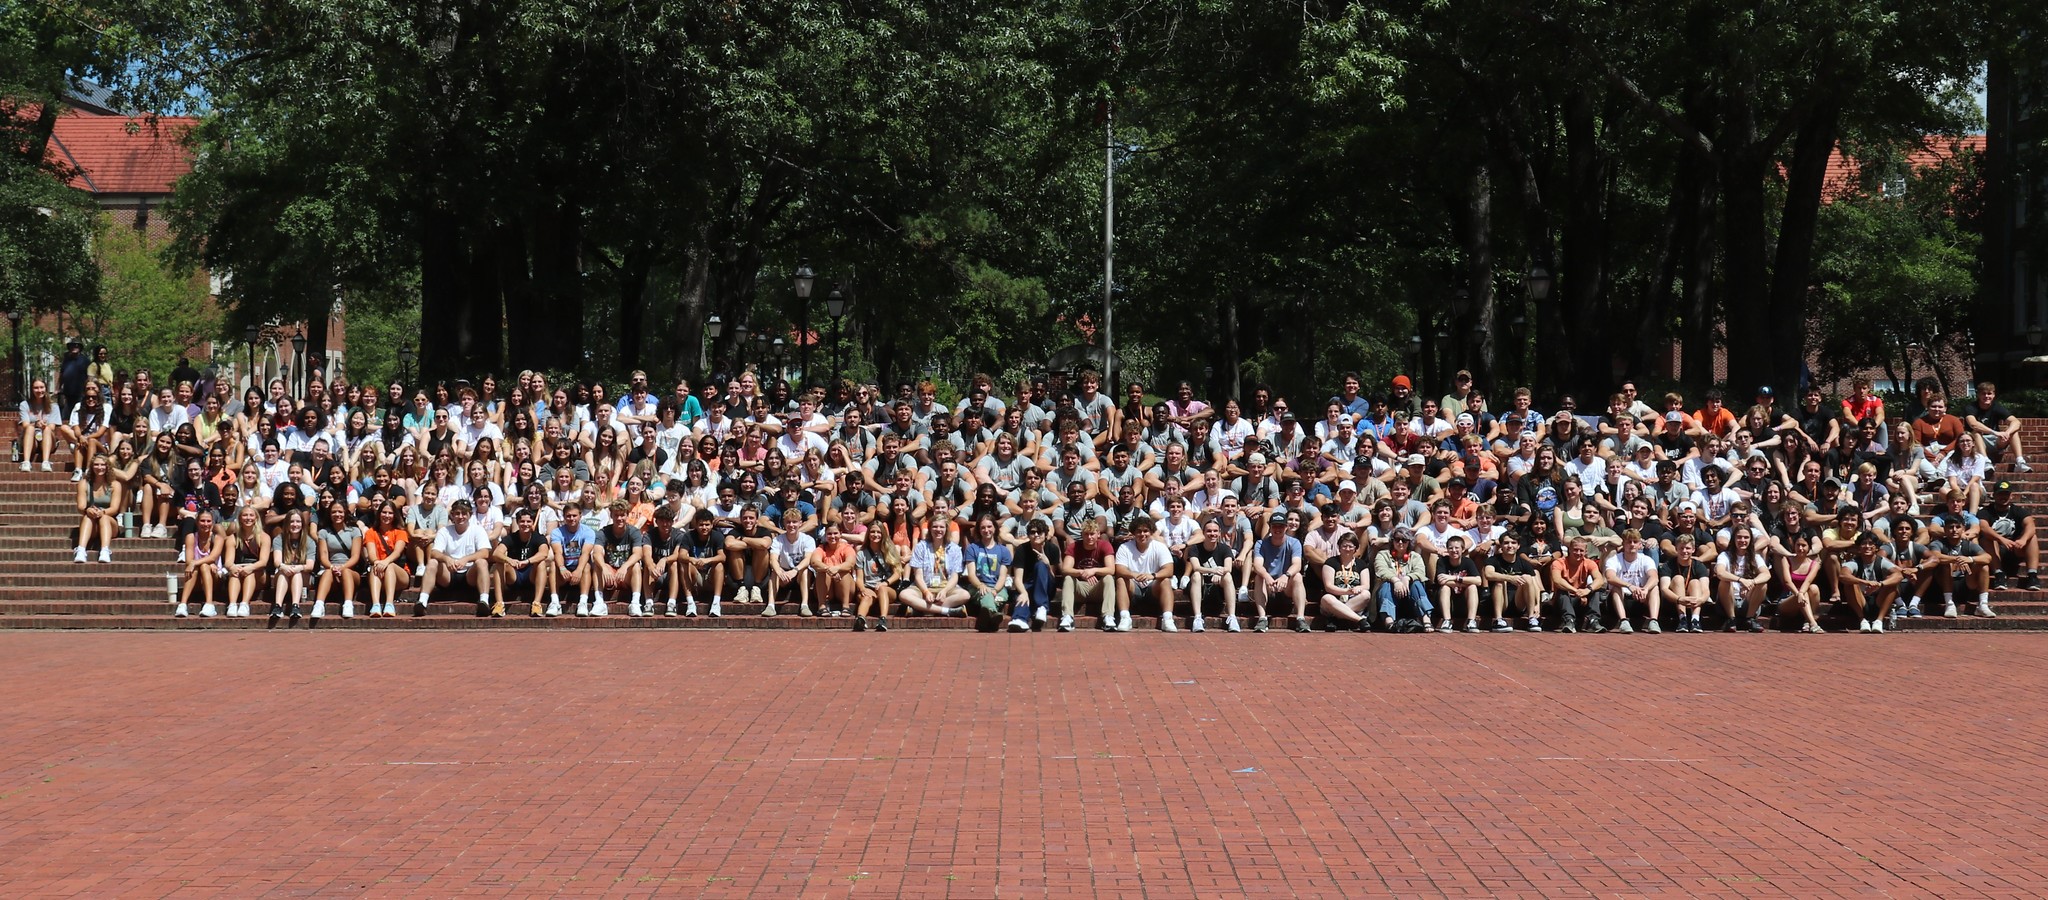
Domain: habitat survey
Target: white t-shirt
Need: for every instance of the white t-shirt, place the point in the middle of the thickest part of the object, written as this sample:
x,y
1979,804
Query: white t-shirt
x,y
1187,531
1152,559
1640,573
792,547
458,545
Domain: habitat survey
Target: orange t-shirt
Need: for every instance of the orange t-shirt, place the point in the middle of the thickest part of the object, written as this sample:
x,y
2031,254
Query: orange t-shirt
x,y
384,543
1719,421
1579,576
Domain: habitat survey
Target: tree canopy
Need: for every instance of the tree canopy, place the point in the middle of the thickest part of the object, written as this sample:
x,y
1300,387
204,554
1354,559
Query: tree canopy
x,y
1301,188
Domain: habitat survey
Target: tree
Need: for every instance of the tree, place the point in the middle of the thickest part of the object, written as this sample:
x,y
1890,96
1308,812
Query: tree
x,y
148,315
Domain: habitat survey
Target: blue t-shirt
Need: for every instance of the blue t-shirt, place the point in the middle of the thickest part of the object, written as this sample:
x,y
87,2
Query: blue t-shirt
x,y
1278,559
988,563
572,542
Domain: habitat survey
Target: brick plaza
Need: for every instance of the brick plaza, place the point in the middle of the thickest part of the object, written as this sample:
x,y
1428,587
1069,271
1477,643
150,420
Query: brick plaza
x,y
959,765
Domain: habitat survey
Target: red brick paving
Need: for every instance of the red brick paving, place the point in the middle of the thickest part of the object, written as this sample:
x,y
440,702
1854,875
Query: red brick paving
x,y
959,765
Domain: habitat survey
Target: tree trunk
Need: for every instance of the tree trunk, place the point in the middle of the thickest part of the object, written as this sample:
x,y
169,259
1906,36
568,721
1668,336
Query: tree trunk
x,y
1479,271
558,287
526,346
1745,243
444,297
687,356
483,348
1582,305
1792,276
635,294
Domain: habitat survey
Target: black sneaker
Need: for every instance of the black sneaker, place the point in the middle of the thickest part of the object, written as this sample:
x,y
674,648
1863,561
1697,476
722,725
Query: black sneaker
x,y
1734,625
881,623
860,623
2032,582
1756,625
1260,625
1329,625
1362,626
1301,625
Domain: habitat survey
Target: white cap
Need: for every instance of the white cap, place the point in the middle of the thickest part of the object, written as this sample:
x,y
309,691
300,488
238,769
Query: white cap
x,y
1415,459
1258,459
1347,485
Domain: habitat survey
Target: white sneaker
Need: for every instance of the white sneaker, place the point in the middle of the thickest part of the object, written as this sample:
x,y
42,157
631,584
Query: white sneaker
x,y
1625,627
1166,623
632,608
671,608
79,556
583,606
106,555
1244,594
1066,622
597,607
46,465
2019,464
1230,624
1038,615
1863,626
1948,608
77,474
206,610
1984,610
554,607
180,613
245,609
768,612
1196,625
181,556
348,609
1019,625
1123,620
691,609
1877,626
716,613
319,608
24,465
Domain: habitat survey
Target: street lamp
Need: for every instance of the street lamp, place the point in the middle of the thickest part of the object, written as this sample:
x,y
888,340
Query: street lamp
x,y
803,281
713,327
249,338
739,346
1537,282
779,352
299,365
835,306
405,358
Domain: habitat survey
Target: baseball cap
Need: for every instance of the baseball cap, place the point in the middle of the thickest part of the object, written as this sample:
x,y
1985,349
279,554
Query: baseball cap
x,y
1765,391
1674,416
1466,419
1287,417
1279,517
1415,459
1686,506
1455,483
2003,487
1258,459
1346,419
1347,485
1402,381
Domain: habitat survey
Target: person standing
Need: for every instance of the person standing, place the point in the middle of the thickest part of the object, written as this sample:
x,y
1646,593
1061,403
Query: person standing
x,y
72,374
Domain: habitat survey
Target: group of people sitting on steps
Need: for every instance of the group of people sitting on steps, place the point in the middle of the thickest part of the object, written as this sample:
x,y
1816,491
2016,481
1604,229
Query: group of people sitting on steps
x,y
1031,505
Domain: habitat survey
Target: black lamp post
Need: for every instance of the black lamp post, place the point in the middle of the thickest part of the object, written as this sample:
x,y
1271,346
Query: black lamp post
x,y
713,327
405,358
249,335
739,347
835,306
779,351
804,279
299,365
20,385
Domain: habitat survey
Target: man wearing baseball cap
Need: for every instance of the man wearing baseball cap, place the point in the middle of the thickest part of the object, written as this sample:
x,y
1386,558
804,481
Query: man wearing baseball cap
x,y
1278,572
2008,531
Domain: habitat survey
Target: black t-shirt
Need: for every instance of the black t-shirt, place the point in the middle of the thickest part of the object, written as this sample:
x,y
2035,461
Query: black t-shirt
x,y
1993,417
710,546
1669,569
522,548
2007,522
1501,566
1466,567
1214,559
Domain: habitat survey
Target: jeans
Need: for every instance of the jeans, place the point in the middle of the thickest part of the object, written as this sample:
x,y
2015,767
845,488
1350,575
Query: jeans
x,y
1037,593
1567,605
1417,598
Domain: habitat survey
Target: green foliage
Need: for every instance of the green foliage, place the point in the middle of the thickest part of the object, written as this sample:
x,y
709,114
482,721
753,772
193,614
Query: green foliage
x,y
376,331
45,260
1896,267
148,315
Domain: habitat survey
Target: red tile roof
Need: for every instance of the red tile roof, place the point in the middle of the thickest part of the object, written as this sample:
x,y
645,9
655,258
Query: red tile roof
x,y
1843,172
119,155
